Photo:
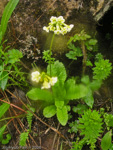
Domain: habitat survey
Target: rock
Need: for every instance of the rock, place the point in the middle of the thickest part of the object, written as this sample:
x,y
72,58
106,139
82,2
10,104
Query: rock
x,y
102,8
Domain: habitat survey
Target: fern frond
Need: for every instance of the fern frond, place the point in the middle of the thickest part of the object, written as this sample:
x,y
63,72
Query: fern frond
x,y
23,138
90,126
29,117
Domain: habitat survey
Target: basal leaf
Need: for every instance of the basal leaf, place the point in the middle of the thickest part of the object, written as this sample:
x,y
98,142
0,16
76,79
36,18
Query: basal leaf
x,y
89,100
69,83
106,141
85,80
76,92
59,92
95,85
3,108
62,115
59,104
40,94
49,111
57,70
7,14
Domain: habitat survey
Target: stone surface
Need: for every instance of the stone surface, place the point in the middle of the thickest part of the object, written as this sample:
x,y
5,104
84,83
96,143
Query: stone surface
x,y
102,8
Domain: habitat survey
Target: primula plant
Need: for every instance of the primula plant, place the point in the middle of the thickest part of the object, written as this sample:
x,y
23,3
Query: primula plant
x,y
62,91
57,26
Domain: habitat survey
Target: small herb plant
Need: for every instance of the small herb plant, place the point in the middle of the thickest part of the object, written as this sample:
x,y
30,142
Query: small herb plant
x,y
89,126
84,44
3,109
9,66
60,94
9,69
102,69
25,135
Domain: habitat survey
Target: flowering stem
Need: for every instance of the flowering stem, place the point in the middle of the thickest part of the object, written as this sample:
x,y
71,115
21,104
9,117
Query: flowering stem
x,y
51,51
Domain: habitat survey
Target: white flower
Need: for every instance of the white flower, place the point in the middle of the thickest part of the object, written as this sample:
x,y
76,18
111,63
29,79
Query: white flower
x,y
61,19
58,26
70,27
53,80
57,32
46,85
53,19
51,28
46,29
35,76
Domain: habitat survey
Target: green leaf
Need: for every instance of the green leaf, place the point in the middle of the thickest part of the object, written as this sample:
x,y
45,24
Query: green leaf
x,y
76,52
0,37
59,104
74,126
49,111
89,63
23,138
6,141
59,92
57,70
7,14
14,55
90,126
102,69
69,83
2,129
80,108
40,94
3,79
85,80
62,115
76,92
29,116
3,108
92,41
106,141
89,100
95,85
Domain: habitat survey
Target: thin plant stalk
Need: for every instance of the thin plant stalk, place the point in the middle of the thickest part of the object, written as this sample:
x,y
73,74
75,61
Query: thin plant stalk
x,y
84,56
51,51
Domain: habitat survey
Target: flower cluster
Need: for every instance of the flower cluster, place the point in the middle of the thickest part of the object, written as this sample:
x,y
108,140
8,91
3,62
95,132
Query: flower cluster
x,y
47,81
58,26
